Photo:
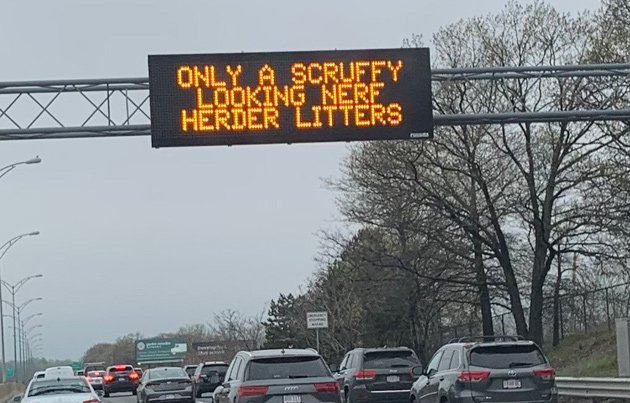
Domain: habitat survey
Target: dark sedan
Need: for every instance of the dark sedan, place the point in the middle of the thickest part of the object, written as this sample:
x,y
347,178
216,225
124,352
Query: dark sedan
x,y
165,384
120,378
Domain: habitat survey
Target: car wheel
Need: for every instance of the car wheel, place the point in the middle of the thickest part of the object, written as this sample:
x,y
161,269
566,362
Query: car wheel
x,y
105,393
134,393
346,396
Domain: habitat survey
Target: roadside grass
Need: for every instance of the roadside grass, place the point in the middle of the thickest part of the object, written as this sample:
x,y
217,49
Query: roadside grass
x,y
585,355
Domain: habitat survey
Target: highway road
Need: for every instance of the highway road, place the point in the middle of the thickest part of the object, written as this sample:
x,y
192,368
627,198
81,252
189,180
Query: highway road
x,y
129,398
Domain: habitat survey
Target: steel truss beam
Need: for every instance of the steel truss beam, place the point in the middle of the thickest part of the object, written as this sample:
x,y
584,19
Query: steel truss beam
x,y
120,107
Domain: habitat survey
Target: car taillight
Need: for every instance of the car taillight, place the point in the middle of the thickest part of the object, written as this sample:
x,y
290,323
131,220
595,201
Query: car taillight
x,y
473,376
328,387
87,378
92,401
546,374
108,378
120,367
365,374
253,390
134,376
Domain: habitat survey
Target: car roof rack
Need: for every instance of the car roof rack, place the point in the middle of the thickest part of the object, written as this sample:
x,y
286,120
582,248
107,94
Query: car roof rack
x,y
481,339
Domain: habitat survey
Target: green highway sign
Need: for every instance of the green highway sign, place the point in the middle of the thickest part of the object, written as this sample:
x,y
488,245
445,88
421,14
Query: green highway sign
x,y
10,372
77,365
149,351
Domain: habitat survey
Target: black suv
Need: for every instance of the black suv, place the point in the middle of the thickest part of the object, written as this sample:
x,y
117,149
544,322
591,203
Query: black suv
x,y
207,376
377,374
487,369
278,376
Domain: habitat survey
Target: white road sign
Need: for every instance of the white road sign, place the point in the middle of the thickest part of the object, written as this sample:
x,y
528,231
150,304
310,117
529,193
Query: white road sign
x,y
317,320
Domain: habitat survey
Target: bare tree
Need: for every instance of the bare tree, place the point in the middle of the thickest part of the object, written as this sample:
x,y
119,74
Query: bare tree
x,y
239,329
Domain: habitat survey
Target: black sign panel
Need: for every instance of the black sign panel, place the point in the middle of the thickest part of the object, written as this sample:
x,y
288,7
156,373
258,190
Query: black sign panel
x,y
290,97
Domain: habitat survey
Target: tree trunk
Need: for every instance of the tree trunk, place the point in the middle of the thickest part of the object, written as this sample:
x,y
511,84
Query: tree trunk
x,y
484,293
482,280
515,299
556,303
542,265
535,313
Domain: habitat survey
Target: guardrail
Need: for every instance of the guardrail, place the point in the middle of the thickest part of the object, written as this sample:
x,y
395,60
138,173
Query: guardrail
x,y
610,388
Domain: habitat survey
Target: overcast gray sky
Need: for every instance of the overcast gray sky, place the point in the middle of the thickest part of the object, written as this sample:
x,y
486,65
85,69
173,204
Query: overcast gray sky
x,y
138,239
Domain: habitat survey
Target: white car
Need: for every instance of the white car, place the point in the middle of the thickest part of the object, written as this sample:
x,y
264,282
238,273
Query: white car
x,y
59,372
39,375
60,390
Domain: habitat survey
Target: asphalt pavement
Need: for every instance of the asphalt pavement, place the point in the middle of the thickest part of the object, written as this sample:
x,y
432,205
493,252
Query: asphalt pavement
x,y
129,398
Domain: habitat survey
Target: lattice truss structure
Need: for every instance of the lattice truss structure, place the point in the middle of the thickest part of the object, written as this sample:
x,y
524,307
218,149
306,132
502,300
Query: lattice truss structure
x,y
120,107
74,108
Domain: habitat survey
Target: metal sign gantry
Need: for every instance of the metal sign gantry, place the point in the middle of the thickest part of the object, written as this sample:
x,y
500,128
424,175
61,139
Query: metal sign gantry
x,y
120,107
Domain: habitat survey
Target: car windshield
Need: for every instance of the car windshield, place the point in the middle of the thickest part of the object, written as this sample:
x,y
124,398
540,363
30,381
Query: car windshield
x,y
390,359
61,386
167,372
508,356
287,368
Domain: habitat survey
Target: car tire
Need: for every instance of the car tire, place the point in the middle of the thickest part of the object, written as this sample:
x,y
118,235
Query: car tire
x,y
346,396
105,393
134,393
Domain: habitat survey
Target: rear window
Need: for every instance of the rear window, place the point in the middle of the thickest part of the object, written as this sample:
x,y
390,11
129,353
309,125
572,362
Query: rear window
x,y
96,373
503,357
120,369
390,359
61,386
94,368
168,372
209,369
287,368
191,370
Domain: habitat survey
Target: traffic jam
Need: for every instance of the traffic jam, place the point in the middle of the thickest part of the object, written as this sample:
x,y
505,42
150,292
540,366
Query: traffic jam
x,y
471,369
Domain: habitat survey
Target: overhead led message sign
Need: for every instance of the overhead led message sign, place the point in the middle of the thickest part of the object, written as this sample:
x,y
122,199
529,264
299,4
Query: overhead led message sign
x,y
290,97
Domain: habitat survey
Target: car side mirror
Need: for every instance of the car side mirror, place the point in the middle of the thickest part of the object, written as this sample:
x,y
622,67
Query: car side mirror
x,y
418,371
431,372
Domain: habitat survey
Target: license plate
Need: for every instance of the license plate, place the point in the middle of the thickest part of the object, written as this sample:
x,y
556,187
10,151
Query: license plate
x,y
170,397
292,399
393,378
122,379
511,384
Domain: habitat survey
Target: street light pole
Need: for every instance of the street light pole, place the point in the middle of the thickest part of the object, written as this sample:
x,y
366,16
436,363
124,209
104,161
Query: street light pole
x,y
26,344
11,167
13,289
4,248
16,315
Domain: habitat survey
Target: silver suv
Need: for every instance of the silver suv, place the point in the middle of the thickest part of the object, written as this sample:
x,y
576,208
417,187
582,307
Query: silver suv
x,y
486,369
278,376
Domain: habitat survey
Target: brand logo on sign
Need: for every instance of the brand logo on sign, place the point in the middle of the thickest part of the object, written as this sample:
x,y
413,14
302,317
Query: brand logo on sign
x,y
511,373
290,388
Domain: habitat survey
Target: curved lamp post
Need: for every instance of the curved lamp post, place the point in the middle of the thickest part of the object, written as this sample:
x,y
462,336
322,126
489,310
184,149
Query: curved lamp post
x,y
4,249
